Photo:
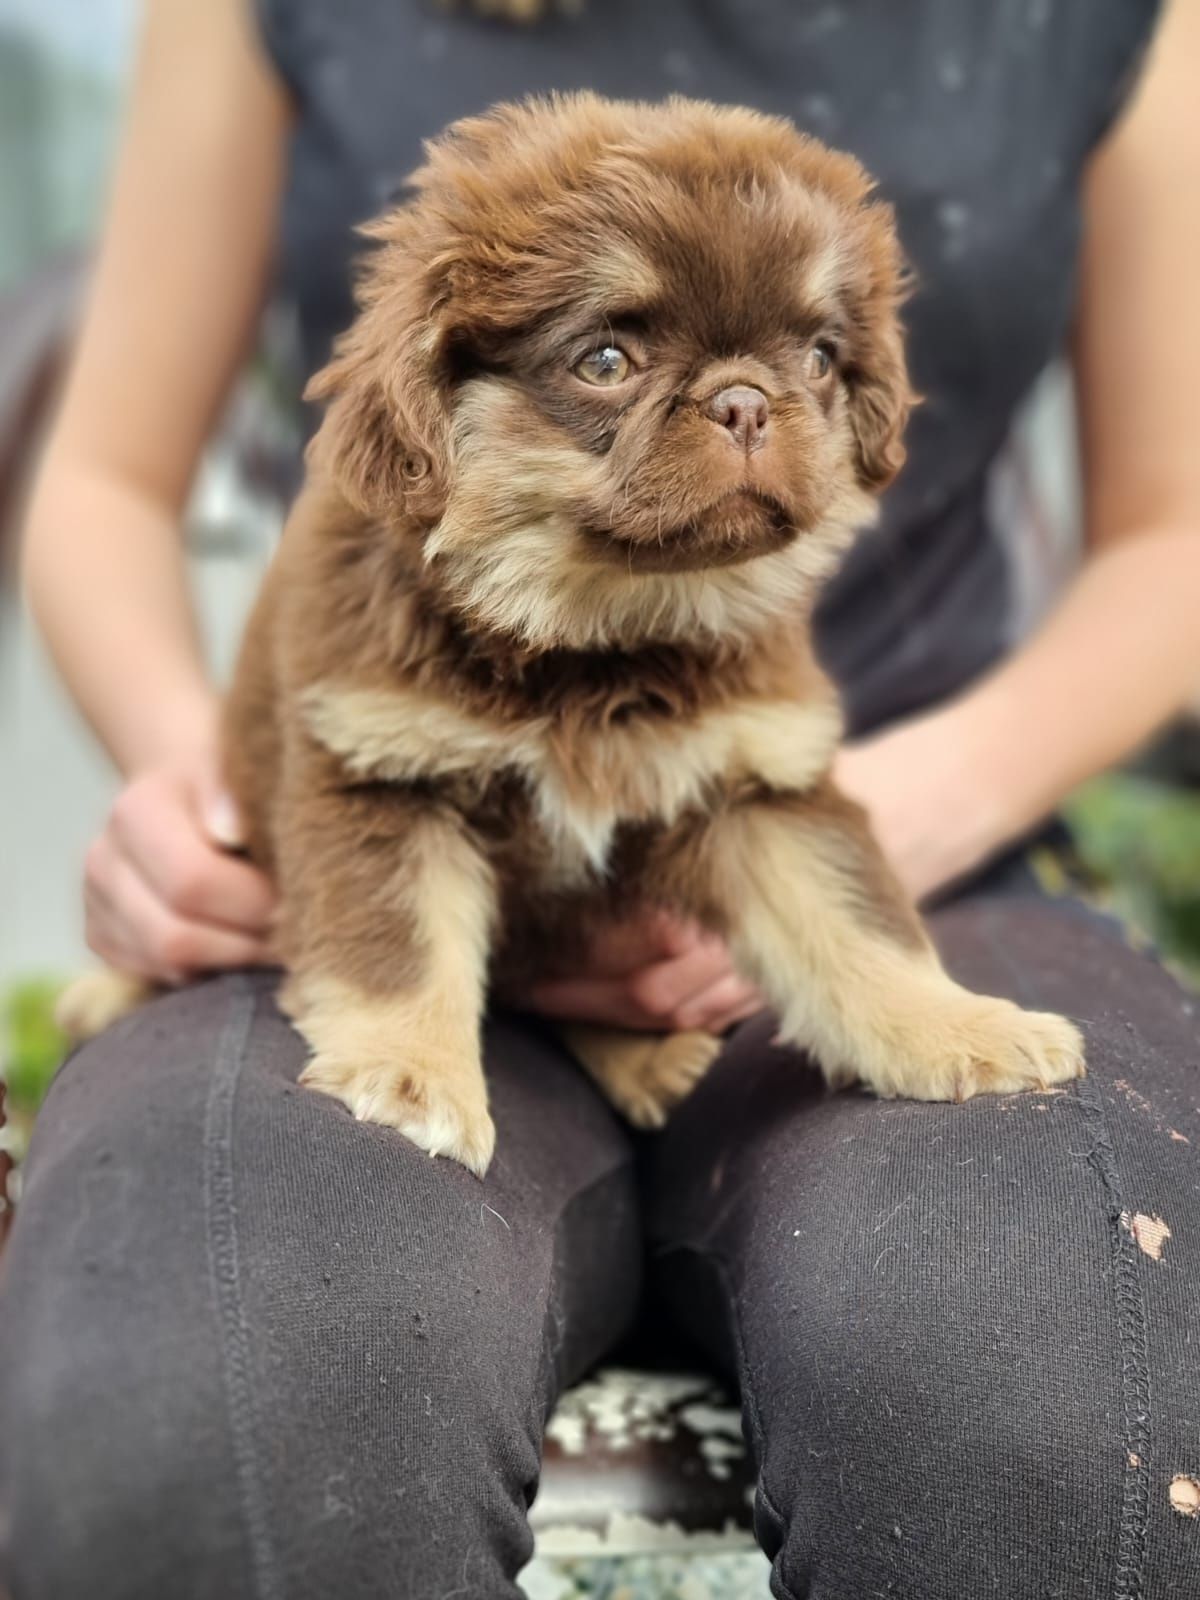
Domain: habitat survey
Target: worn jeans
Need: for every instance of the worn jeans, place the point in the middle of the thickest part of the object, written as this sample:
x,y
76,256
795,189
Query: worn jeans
x,y
251,1347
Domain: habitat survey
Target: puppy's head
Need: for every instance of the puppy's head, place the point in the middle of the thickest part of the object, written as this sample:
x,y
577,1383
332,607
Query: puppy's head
x,y
625,371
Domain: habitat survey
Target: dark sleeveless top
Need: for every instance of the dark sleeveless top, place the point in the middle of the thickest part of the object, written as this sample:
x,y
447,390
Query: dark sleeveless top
x,y
976,117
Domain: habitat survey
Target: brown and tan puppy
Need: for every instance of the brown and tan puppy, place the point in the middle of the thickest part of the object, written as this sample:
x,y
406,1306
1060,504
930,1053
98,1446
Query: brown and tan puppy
x,y
535,645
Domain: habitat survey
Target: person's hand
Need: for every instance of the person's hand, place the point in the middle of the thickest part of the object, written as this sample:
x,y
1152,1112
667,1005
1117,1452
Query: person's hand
x,y
650,972
934,807
164,898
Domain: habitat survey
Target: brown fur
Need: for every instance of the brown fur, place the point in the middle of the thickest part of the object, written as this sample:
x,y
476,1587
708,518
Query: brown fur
x,y
534,649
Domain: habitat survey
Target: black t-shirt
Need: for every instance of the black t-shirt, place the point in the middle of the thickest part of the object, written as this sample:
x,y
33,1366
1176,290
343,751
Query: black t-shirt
x,y
976,117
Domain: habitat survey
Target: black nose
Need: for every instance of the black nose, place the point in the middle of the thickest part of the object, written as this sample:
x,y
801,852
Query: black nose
x,y
744,412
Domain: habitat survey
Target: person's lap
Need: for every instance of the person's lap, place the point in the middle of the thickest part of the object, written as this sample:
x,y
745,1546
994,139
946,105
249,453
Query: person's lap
x,y
967,1367
234,1321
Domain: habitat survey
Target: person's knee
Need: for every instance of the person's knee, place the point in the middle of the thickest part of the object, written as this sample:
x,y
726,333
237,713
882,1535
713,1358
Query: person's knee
x,y
239,1327
896,1423
114,1451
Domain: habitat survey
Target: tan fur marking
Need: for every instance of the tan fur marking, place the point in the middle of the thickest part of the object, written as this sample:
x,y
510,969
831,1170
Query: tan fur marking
x,y
621,276
583,787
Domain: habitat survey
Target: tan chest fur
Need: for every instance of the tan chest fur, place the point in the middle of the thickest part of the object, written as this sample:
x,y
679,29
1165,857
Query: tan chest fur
x,y
584,781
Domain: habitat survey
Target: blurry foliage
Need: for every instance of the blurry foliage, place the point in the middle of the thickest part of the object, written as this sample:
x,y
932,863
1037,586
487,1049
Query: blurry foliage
x,y
33,1045
1136,851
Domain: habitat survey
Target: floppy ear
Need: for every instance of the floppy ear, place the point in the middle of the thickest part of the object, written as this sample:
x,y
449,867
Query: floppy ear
x,y
880,394
385,438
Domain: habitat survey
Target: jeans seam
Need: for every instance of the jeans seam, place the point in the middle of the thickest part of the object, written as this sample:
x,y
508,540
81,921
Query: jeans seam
x,y
221,1233
1129,1571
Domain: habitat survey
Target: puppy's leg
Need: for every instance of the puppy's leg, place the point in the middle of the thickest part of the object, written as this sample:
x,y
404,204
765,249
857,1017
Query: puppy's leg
x,y
387,923
815,916
645,1075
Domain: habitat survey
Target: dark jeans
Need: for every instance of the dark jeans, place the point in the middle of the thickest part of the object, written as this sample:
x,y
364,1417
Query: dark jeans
x,y
250,1347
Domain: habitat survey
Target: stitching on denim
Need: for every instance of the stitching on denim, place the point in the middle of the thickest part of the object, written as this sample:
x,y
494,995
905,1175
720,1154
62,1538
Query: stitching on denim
x,y
1129,1573
749,1402
220,1213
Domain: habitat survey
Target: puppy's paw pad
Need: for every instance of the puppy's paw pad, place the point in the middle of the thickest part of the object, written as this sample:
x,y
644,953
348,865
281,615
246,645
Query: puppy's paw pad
x,y
424,1104
95,1000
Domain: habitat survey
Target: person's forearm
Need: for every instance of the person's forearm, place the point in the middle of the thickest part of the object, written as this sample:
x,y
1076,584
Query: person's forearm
x,y
105,575
1118,656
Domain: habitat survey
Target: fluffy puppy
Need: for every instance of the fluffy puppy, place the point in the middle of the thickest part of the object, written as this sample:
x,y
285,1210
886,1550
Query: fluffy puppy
x,y
536,643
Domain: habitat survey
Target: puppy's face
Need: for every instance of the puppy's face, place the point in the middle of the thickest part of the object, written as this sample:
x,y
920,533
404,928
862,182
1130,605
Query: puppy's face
x,y
625,371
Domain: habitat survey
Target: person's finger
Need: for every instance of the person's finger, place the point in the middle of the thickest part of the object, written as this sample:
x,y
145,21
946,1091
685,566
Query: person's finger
x,y
602,1000
188,874
647,998
664,987
752,1006
143,936
730,999
624,946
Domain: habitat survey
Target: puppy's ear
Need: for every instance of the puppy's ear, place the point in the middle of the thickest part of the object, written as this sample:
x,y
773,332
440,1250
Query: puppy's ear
x,y
385,438
880,394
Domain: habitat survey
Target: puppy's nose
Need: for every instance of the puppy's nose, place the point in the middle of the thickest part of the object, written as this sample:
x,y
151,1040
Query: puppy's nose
x,y
744,412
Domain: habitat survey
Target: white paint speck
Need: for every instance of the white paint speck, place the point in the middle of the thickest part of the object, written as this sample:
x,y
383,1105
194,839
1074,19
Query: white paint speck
x,y
434,43
818,109
955,220
827,20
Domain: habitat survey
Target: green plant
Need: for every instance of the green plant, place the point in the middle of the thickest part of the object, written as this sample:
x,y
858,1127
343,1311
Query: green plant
x,y
1137,845
33,1044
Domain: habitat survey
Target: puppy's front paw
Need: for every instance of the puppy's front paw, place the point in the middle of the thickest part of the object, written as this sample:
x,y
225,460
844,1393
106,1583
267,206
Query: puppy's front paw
x,y
978,1045
432,1100
410,1065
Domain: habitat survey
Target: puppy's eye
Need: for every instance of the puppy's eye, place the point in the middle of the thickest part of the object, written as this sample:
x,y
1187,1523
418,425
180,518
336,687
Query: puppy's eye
x,y
821,358
604,367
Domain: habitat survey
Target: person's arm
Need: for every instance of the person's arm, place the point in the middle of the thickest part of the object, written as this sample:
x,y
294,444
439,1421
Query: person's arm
x,y
178,286
1120,654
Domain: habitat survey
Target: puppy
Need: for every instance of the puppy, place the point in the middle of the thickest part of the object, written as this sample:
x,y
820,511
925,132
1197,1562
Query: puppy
x,y
536,647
